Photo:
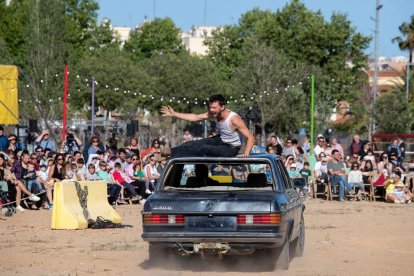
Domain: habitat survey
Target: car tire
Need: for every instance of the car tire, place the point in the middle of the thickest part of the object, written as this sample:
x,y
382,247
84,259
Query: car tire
x,y
283,256
298,245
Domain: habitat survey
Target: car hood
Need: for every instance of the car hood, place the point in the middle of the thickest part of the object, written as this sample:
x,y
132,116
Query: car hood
x,y
211,202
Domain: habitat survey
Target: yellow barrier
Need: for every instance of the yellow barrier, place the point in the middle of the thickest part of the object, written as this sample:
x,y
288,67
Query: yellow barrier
x,y
67,211
222,178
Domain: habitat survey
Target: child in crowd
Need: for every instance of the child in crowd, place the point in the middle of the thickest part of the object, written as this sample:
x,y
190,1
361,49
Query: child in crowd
x,y
120,178
81,171
71,173
306,173
115,190
138,172
396,191
293,173
91,174
31,178
42,177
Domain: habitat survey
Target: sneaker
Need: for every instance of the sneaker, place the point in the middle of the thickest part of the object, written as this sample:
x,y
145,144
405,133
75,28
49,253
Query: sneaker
x,y
341,200
4,210
19,209
121,202
397,201
135,198
34,197
148,191
50,206
142,201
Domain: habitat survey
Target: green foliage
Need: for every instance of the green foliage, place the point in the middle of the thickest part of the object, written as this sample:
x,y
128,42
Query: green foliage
x,y
159,35
407,30
181,77
117,79
391,113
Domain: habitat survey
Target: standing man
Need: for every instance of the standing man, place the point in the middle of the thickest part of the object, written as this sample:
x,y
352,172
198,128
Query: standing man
x,y
4,141
44,141
226,144
336,169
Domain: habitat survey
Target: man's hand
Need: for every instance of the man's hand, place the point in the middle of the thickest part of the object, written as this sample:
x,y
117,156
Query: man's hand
x,y
243,155
167,111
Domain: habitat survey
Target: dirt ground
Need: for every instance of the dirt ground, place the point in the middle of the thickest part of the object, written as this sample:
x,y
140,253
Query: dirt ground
x,y
353,238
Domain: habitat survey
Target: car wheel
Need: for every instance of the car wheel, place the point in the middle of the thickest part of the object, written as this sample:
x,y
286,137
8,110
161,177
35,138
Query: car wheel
x,y
283,256
298,245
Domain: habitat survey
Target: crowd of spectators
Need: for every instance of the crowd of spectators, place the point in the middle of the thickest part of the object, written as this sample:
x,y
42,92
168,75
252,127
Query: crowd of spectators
x,y
131,172
27,179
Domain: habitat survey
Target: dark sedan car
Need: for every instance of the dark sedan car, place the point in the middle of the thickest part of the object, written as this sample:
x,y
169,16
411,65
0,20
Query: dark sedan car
x,y
225,206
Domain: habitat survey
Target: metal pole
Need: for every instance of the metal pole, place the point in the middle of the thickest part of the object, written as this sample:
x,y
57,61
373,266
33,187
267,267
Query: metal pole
x,y
375,77
312,111
93,106
205,12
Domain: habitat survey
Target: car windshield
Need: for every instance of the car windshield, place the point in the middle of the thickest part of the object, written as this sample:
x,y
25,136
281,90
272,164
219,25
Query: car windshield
x,y
219,176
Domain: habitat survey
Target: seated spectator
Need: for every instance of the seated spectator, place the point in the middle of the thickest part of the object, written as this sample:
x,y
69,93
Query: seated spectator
x,y
306,173
162,164
289,149
239,173
44,141
319,148
121,178
384,166
293,172
321,170
355,179
71,172
42,177
275,145
81,169
115,190
150,170
220,169
396,191
57,172
187,136
91,174
337,176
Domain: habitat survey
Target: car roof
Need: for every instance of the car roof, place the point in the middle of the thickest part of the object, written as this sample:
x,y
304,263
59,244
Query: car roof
x,y
250,158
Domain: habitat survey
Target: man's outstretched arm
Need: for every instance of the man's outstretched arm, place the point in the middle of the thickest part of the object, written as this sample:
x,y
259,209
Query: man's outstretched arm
x,y
168,111
240,126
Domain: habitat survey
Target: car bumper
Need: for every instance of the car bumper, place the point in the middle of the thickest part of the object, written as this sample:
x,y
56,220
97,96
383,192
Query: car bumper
x,y
228,237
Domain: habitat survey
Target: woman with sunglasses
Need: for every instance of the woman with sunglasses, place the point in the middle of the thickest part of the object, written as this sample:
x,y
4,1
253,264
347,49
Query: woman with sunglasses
x,y
57,172
355,179
94,146
153,150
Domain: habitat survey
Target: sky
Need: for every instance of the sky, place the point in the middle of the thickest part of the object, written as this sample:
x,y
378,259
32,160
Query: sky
x,y
188,13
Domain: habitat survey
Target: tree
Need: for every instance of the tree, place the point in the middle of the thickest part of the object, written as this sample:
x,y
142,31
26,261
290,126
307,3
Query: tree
x,y
267,79
159,35
407,30
391,113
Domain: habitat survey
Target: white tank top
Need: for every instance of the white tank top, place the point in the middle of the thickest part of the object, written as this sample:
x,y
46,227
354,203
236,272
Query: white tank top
x,y
228,135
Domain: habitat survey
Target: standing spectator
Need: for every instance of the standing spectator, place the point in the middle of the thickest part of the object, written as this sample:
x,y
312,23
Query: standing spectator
x,y
44,141
306,144
153,150
187,137
275,144
393,149
4,141
289,149
356,145
95,145
336,145
402,146
319,148
14,145
133,146
336,169
72,143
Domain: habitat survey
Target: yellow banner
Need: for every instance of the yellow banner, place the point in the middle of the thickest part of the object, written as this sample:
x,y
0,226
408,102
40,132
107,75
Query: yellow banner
x,y
9,107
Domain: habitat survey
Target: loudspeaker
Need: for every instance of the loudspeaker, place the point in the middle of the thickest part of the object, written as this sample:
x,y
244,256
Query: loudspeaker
x,y
33,126
132,128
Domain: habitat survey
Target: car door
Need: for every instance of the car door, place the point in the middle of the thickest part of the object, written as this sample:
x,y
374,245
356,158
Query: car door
x,y
294,201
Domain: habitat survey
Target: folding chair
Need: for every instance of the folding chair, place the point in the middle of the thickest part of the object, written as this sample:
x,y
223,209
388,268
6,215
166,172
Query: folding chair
x,y
319,188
